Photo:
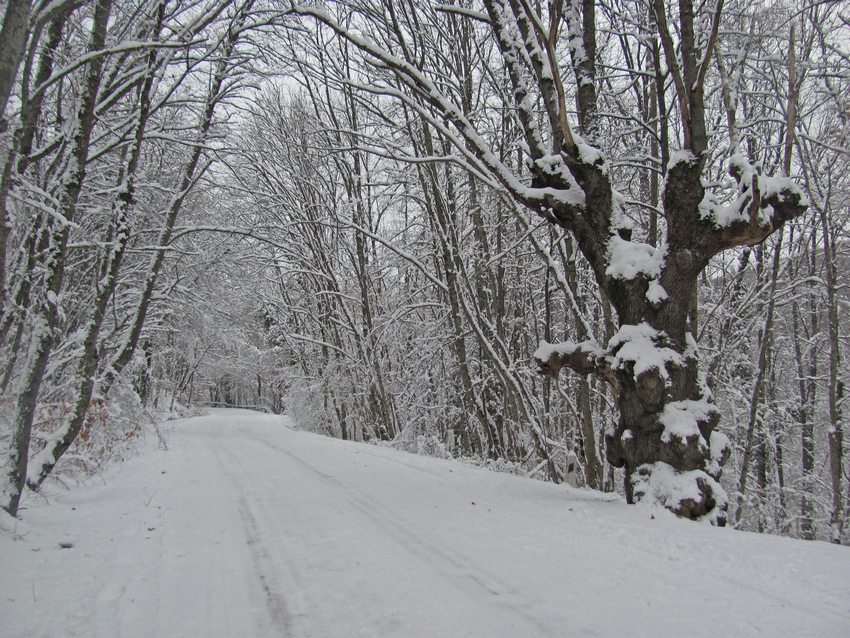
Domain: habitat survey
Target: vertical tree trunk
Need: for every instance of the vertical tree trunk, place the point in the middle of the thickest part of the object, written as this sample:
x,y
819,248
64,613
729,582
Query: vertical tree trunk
x,y
765,346
122,208
19,151
835,388
806,382
13,40
47,315
593,464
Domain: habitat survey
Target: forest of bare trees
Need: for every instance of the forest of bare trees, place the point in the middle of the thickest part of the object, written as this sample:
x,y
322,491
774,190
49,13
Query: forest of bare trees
x,y
538,236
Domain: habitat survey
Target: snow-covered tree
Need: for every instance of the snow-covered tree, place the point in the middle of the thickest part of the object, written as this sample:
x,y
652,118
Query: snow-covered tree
x,y
665,435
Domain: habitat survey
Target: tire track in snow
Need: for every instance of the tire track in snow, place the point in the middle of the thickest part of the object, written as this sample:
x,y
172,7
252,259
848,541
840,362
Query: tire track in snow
x,y
454,571
275,601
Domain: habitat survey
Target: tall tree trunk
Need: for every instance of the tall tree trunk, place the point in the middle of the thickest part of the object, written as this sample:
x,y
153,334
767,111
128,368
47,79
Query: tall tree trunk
x,y
593,464
13,40
835,388
17,161
765,346
47,315
122,208
449,260
805,415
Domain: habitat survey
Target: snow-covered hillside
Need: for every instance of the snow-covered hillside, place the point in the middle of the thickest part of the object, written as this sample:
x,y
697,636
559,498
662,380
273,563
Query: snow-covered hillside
x,y
246,527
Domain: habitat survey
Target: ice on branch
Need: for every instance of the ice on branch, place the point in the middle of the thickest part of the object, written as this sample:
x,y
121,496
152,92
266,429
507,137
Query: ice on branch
x,y
639,345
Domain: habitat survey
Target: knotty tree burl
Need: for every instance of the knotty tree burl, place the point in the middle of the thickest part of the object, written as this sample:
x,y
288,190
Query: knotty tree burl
x,y
665,435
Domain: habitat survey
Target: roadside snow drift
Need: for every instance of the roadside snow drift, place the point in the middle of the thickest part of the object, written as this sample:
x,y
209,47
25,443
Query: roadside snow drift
x,y
246,527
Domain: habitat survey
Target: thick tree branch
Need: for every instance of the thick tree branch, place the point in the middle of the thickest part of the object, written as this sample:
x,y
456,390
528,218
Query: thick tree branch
x,y
584,358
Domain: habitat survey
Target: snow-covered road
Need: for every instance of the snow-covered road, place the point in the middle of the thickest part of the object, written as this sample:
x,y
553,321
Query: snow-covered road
x,y
246,527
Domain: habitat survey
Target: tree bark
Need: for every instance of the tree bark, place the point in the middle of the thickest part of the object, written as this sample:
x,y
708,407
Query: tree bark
x,y
21,147
13,40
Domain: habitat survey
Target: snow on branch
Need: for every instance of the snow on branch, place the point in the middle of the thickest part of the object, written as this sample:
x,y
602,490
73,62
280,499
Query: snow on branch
x,y
633,344
414,79
682,419
318,342
463,11
628,259
762,205
126,46
558,200
640,345
656,293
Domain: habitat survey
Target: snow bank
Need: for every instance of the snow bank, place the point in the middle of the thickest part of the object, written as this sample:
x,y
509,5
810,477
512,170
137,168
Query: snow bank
x,y
659,484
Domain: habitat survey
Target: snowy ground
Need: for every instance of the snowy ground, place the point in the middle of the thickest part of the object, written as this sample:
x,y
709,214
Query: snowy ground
x,y
245,527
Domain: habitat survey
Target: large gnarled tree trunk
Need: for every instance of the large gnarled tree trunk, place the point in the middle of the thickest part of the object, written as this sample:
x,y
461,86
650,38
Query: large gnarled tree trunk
x,y
665,437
